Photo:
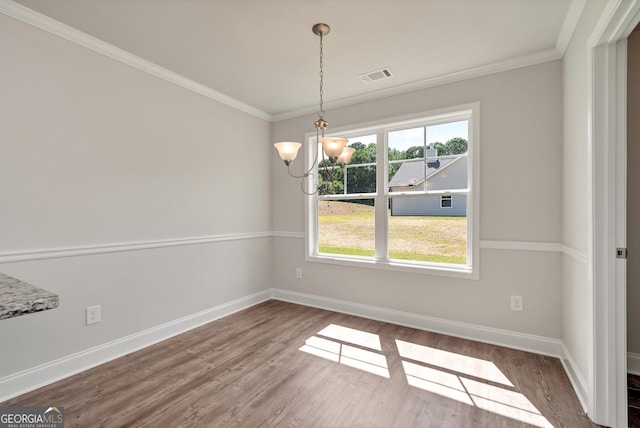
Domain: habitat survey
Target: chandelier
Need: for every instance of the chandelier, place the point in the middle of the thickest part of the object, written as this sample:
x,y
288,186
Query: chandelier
x,y
334,150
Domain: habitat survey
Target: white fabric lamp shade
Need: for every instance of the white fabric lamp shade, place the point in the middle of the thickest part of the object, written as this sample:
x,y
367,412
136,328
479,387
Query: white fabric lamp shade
x,y
345,156
288,150
333,147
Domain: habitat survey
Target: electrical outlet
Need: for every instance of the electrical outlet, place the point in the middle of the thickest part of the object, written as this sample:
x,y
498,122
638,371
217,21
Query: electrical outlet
x,y
92,315
517,303
299,273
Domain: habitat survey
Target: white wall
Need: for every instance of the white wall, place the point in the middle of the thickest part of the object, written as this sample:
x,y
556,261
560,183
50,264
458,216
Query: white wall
x,y
521,161
577,318
95,152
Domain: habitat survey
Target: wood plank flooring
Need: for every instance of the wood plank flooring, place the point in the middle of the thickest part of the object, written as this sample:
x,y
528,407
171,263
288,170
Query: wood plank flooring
x,y
633,400
281,364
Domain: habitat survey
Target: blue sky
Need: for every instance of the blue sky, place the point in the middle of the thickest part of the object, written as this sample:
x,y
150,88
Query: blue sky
x,y
406,138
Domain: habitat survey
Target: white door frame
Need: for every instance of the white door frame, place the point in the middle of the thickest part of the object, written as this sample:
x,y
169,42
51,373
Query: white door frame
x,y
607,149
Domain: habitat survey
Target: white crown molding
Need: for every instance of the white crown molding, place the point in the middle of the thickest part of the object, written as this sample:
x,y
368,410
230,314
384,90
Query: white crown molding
x,y
512,64
43,22
36,377
615,23
86,250
569,24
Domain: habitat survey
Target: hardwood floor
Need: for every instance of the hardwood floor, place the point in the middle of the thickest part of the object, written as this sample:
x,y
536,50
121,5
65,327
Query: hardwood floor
x,y
633,400
281,364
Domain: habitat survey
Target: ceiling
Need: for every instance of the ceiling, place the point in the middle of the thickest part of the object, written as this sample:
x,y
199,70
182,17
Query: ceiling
x,y
264,54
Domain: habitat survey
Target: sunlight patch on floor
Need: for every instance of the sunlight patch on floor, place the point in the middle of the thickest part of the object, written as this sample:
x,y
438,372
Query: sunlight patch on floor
x,y
449,374
436,381
475,367
339,351
504,402
472,381
351,335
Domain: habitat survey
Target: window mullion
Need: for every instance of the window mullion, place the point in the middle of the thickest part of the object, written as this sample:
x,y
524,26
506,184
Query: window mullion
x,y
381,199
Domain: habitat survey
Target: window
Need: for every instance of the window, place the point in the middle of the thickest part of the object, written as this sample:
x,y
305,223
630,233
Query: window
x,y
406,201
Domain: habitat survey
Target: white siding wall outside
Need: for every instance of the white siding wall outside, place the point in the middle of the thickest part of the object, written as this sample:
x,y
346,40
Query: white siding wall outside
x,y
429,206
453,176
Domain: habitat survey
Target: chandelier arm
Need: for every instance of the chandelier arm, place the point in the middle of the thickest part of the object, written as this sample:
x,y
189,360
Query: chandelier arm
x,y
313,165
305,175
329,173
304,190
315,157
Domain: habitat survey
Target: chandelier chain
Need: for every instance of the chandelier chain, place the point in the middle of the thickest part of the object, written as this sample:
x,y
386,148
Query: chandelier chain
x,y
334,153
321,112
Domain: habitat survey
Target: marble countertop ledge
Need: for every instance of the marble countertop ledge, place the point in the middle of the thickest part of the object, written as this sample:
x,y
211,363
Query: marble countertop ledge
x,y
20,298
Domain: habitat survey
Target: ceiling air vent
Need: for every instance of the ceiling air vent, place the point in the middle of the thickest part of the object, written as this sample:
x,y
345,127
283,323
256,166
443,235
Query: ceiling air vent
x,y
373,76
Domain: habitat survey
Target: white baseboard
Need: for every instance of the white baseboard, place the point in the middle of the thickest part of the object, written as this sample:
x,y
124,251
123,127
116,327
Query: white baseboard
x,y
510,339
633,363
36,377
575,377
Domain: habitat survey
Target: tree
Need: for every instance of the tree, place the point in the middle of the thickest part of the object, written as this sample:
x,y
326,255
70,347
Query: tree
x,y
456,146
414,152
442,149
359,179
362,179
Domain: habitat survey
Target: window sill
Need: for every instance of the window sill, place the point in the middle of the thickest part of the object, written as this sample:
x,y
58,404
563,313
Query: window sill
x,y
452,271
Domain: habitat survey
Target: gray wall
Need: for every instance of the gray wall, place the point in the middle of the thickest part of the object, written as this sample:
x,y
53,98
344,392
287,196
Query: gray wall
x,y
95,152
513,103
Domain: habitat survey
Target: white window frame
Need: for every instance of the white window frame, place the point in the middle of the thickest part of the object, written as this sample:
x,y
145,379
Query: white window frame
x,y
469,112
446,198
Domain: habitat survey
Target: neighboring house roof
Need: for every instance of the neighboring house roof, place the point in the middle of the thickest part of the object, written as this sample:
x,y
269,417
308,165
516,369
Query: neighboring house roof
x,y
412,173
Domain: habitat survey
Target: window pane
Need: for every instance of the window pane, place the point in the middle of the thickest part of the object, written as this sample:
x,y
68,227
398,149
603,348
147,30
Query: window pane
x,y
406,159
449,138
421,230
358,176
445,146
346,227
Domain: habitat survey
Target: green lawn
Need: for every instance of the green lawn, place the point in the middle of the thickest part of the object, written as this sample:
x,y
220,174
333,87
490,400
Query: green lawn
x,y
348,228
